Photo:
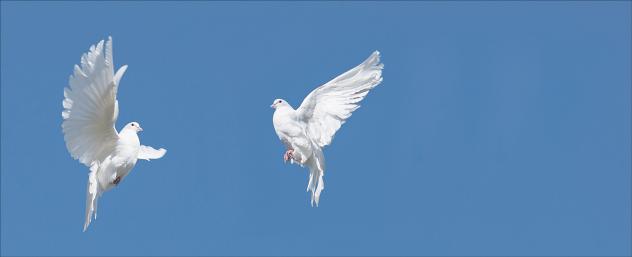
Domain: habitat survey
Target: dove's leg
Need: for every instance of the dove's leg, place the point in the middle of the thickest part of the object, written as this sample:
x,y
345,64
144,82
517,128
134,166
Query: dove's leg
x,y
289,154
117,180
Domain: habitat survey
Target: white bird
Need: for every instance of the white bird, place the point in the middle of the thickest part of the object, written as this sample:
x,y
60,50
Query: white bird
x,y
89,117
306,130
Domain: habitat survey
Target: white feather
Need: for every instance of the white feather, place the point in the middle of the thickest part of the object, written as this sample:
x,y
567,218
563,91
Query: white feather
x,y
148,152
92,194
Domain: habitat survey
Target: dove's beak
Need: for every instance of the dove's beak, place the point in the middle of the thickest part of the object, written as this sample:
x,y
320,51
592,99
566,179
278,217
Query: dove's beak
x,y
140,129
272,105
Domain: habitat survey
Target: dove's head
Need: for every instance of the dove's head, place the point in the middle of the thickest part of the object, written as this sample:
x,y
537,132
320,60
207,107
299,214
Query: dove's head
x,y
279,103
133,126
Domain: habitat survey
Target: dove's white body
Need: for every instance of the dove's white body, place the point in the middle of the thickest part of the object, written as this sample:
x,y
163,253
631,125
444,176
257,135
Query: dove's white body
x,y
121,161
292,133
306,130
90,112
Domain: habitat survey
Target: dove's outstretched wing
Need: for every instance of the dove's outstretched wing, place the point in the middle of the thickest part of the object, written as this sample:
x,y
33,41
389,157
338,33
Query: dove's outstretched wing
x,y
148,152
90,106
326,108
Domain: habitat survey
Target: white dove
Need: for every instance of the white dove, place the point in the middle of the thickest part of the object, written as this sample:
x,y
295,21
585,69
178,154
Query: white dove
x,y
306,130
90,112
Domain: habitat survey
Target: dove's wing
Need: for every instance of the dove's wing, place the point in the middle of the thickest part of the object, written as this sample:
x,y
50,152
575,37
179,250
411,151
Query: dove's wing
x,y
327,107
90,106
148,152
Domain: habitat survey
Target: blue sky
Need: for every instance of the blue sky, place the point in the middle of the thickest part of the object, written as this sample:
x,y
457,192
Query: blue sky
x,y
501,128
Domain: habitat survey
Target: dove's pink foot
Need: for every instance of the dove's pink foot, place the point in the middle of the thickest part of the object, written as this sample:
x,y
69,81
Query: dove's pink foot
x,y
288,155
117,180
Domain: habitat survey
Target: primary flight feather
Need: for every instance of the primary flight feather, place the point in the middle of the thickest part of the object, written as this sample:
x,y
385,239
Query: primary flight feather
x,y
306,130
89,117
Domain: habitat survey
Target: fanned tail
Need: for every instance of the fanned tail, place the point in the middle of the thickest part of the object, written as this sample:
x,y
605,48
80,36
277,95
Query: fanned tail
x,y
316,166
92,195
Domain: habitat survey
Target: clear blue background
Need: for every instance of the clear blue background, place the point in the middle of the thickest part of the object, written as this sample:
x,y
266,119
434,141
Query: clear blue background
x,y
501,128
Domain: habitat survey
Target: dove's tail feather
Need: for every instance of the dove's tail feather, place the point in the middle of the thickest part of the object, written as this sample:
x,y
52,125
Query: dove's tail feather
x,y
316,166
92,195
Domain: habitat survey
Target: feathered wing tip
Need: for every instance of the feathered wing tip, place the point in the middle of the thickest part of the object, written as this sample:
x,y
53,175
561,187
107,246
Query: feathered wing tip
x,y
374,60
361,78
316,183
148,152
109,59
373,63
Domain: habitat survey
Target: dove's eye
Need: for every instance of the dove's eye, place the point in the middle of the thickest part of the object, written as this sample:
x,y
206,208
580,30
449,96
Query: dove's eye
x,y
280,101
132,124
